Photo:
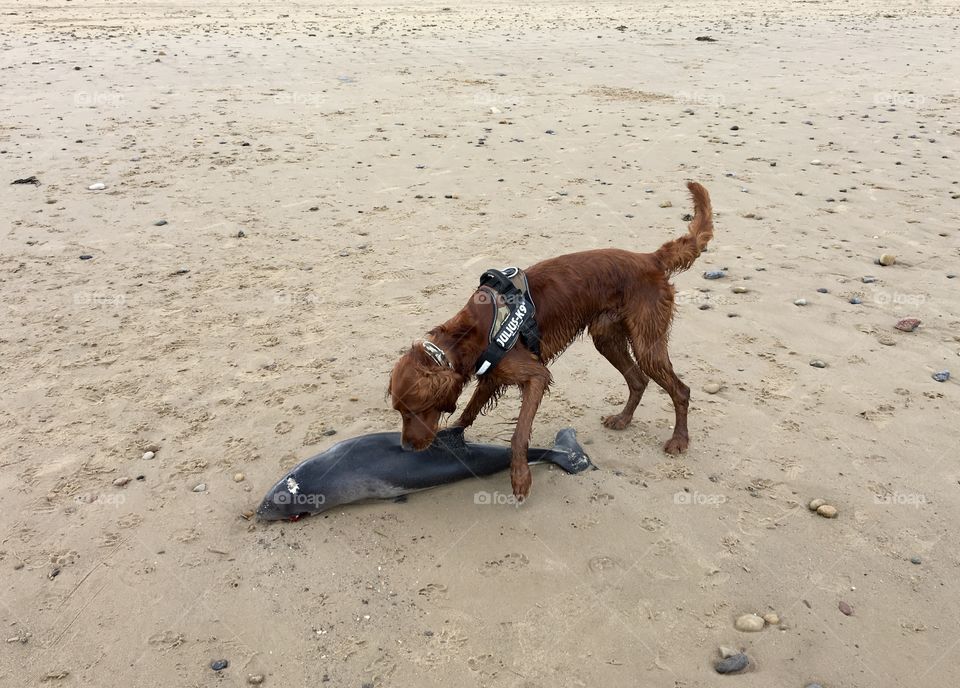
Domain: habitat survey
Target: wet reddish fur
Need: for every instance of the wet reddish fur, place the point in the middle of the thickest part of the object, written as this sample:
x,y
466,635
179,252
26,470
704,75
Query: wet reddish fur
x,y
623,299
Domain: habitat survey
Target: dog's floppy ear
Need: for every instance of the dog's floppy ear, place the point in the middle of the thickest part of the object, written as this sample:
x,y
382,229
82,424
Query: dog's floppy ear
x,y
445,385
424,382
439,385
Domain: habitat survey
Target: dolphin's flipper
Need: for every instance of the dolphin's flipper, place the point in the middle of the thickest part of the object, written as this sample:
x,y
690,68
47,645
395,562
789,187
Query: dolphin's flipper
x,y
568,454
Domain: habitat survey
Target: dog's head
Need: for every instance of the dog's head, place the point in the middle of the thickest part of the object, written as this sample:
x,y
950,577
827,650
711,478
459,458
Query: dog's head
x,y
421,390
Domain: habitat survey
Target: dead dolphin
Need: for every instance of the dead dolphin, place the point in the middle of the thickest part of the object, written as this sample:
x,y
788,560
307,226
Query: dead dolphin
x,y
377,467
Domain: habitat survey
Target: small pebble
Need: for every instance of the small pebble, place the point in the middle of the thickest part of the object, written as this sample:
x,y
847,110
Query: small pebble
x,y
817,363
219,664
147,455
255,679
800,302
711,388
728,651
241,234
815,162
907,324
238,477
713,274
942,376
329,432
666,204
200,488
771,619
855,300
845,608
823,290
732,665
160,223
816,504
748,623
86,256
887,259
739,289
120,482
915,560
99,186
827,511
868,279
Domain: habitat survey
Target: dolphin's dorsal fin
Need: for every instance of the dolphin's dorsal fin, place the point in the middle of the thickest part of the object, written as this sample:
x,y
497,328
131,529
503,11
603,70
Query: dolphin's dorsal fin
x,y
450,437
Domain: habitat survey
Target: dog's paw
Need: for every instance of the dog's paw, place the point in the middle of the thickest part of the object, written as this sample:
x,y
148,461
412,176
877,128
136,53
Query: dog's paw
x,y
521,480
617,422
676,445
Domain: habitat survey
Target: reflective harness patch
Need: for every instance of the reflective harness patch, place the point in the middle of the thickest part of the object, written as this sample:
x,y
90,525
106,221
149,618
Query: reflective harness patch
x,y
513,315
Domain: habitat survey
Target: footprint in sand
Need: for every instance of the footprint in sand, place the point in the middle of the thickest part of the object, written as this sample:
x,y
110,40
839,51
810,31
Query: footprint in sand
x,y
186,534
64,557
432,589
602,564
129,521
108,539
651,524
483,664
509,562
381,668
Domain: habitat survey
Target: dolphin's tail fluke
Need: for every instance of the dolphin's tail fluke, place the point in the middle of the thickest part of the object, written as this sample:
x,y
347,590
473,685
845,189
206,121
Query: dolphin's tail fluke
x,y
568,454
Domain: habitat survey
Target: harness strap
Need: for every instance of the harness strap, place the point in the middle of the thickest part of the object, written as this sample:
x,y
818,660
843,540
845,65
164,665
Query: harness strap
x,y
513,316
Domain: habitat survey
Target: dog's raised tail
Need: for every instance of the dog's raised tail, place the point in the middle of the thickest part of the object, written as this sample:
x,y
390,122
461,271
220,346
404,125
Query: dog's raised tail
x,y
678,255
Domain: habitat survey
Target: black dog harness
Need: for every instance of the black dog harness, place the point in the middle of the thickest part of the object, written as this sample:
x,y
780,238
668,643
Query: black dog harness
x,y
509,296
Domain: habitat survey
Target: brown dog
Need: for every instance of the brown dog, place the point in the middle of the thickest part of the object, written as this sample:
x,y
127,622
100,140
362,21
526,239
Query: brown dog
x,y
623,299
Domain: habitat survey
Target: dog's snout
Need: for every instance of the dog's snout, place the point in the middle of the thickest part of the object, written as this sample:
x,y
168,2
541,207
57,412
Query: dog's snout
x,y
406,445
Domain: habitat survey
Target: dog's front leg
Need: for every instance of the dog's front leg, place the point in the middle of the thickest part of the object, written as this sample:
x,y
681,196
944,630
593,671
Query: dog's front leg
x,y
531,393
481,395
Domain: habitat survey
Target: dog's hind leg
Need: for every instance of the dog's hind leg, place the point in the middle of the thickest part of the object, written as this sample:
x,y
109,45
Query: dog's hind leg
x,y
611,341
656,364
